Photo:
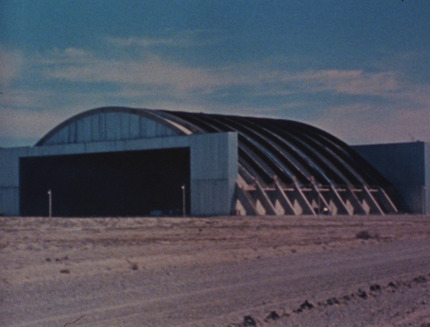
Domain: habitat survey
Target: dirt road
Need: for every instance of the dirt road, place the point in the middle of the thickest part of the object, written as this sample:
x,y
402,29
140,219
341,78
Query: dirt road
x,y
368,271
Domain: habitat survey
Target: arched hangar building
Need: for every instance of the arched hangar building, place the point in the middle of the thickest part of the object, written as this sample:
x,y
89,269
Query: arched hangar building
x,y
117,161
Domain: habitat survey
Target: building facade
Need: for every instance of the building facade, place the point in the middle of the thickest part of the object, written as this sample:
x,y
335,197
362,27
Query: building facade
x,y
116,161
407,167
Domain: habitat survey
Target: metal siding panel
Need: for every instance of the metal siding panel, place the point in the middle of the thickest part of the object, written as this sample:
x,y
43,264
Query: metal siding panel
x,y
57,150
95,130
2,205
9,179
87,129
147,128
80,131
124,126
158,130
99,147
214,169
102,126
155,130
209,197
10,199
150,129
9,165
134,126
403,164
63,137
233,156
57,139
72,135
211,157
427,163
413,196
212,181
112,126
60,137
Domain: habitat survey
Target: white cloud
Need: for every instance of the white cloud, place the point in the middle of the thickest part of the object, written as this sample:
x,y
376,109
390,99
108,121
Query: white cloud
x,y
154,82
78,65
146,42
353,82
11,66
149,71
416,95
364,123
28,123
66,57
182,39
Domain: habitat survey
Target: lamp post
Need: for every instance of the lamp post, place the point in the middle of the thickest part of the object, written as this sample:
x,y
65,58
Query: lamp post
x,y
50,203
183,199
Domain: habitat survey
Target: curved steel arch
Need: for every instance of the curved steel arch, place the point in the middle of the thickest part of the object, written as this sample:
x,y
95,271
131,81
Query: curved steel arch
x,y
282,163
146,113
327,169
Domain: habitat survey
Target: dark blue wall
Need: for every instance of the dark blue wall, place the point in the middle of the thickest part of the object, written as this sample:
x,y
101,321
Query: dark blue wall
x,y
407,167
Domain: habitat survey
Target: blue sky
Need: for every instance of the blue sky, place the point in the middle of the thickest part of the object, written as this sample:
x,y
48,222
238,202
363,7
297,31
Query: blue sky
x,y
358,69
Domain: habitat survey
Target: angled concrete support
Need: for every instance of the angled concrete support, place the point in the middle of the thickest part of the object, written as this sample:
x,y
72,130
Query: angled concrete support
x,y
246,200
303,200
264,199
243,173
319,199
373,204
355,202
389,206
337,199
284,200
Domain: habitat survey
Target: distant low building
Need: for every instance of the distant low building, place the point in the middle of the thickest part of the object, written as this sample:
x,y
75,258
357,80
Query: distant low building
x,y
407,167
117,161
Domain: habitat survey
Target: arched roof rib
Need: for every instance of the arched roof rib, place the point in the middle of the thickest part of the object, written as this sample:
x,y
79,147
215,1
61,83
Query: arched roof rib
x,y
362,167
52,137
284,158
272,161
286,170
181,121
260,155
203,124
321,157
267,147
345,168
300,150
250,153
318,170
294,158
358,171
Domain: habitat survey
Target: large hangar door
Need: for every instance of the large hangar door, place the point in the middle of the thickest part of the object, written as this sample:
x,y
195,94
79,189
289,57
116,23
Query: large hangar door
x,y
132,183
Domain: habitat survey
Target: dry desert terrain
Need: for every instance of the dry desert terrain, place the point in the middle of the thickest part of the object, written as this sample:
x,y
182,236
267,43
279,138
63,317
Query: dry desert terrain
x,y
218,271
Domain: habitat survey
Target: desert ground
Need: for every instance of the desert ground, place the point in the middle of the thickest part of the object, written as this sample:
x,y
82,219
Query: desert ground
x,y
217,271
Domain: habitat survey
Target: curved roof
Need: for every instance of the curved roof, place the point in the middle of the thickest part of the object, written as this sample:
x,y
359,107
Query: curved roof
x,y
290,150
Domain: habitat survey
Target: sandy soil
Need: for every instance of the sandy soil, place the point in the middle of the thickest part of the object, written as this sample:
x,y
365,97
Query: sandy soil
x,y
223,271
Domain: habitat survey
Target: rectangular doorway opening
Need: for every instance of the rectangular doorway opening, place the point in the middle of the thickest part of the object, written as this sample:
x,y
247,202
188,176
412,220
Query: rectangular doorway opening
x,y
129,183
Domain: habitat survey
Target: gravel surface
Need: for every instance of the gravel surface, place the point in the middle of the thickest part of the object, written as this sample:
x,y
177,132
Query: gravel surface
x,y
284,271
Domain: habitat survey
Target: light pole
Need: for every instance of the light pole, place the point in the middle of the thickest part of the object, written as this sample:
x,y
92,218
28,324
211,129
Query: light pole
x,y
183,199
50,203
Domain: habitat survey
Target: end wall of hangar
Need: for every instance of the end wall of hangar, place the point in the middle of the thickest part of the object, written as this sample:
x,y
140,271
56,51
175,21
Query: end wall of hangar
x,y
213,168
